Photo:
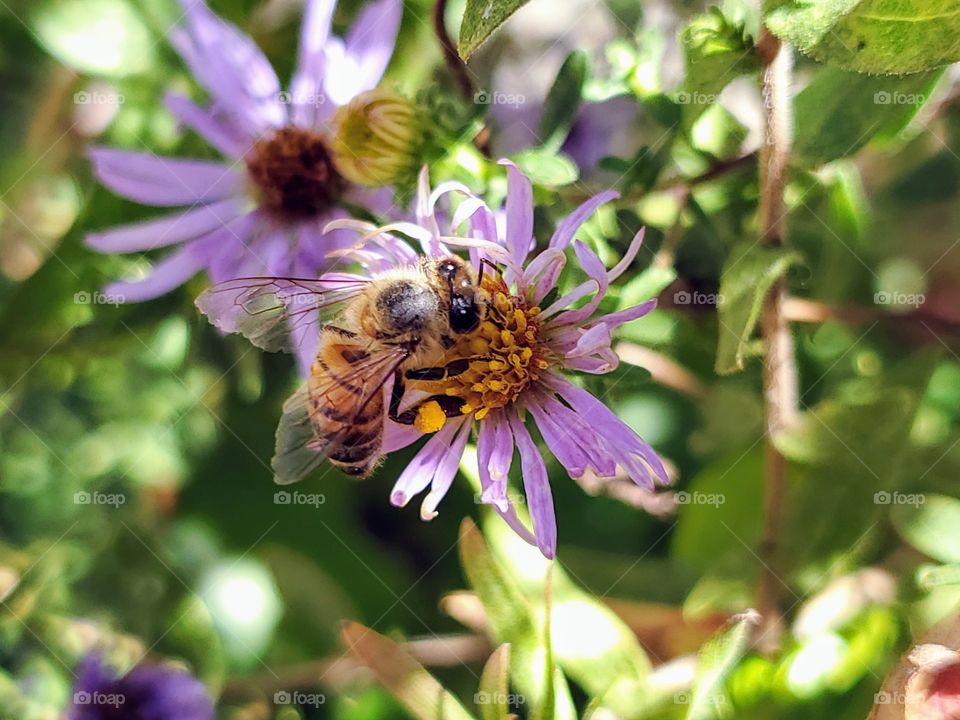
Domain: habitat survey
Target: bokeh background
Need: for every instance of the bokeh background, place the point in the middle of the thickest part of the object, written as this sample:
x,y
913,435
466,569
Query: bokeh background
x,y
137,510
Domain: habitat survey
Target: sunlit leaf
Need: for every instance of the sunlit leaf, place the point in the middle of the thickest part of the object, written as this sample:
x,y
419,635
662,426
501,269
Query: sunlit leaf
x,y
495,685
480,19
100,37
931,525
881,37
405,678
718,659
547,169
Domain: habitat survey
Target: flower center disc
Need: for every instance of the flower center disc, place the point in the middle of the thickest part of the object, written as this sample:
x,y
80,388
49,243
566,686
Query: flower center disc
x,y
509,356
294,174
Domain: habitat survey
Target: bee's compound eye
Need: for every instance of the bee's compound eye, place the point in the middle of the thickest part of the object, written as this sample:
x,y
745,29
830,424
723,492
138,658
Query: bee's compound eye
x,y
464,315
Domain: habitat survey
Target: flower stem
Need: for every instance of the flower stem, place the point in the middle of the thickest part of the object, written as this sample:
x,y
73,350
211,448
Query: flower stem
x,y
450,55
779,367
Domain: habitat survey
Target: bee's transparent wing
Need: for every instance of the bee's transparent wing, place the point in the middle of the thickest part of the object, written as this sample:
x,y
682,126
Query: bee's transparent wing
x,y
297,453
298,450
272,311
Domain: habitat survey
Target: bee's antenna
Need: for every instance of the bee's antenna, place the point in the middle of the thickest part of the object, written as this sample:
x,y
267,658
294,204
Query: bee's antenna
x,y
486,261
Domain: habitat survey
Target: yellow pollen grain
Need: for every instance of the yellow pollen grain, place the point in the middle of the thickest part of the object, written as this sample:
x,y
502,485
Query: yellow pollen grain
x,y
430,417
520,319
496,366
507,337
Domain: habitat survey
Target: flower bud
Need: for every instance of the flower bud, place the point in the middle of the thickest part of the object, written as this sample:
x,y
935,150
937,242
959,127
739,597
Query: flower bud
x,y
375,138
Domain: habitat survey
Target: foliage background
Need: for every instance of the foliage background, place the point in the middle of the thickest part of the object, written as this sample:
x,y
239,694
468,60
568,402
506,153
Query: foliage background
x,y
200,563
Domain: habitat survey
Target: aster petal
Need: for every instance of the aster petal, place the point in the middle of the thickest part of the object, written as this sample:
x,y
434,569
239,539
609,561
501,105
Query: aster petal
x,y
618,269
542,274
397,436
169,273
216,131
616,319
564,301
164,231
510,517
306,86
631,452
424,466
602,362
494,455
536,487
591,341
231,67
446,470
562,442
154,180
594,267
568,227
519,230
369,43
581,432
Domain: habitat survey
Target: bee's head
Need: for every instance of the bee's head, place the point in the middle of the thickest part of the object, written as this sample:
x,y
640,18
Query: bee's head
x,y
457,285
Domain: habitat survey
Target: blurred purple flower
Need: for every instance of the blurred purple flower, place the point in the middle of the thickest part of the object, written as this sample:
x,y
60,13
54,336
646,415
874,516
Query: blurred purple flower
x,y
262,210
148,692
520,353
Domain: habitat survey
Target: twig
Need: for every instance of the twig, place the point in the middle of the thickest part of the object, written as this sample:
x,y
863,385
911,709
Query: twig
x,y
450,55
779,367
334,672
663,369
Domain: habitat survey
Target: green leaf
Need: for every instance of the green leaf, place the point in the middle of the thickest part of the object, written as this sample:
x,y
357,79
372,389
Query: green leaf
x,y
880,37
590,643
495,686
839,112
716,50
563,101
930,577
480,19
99,37
513,619
718,659
930,523
720,512
546,168
750,272
403,677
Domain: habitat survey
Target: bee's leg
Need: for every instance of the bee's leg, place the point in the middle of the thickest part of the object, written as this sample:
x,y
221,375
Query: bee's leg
x,y
396,396
442,372
450,405
342,332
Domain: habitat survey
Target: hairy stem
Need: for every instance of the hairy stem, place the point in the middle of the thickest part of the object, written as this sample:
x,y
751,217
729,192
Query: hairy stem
x,y
450,55
779,367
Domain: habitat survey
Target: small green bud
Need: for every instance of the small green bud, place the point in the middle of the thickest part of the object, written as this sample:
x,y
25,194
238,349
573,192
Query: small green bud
x,y
375,138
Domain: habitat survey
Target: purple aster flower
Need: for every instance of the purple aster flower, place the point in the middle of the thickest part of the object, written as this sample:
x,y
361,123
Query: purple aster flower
x,y
519,357
148,692
263,208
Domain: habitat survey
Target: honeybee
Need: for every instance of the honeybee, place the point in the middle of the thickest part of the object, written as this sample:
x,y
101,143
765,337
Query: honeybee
x,y
397,325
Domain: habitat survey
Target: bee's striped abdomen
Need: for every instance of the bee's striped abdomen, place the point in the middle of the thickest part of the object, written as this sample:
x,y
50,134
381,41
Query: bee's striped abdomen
x,y
347,415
